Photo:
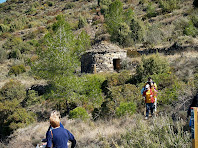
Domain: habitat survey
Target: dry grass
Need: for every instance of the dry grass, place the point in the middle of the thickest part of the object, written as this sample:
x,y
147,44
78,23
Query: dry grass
x,y
86,133
103,134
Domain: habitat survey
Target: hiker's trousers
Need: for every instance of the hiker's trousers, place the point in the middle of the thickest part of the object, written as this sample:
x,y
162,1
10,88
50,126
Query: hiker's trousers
x,y
149,106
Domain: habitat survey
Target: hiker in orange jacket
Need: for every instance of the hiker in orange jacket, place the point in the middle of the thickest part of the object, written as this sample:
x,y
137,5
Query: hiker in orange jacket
x,y
149,99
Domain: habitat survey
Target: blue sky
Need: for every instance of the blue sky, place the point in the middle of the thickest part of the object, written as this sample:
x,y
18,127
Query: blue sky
x,y
1,1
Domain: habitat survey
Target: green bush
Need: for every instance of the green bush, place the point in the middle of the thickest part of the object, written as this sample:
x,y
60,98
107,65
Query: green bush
x,y
190,30
50,3
169,5
13,116
118,79
4,28
154,64
153,36
104,9
87,91
31,10
19,119
117,95
125,108
104,2
32,98
69,5
13,90
150,10
78,113
12,42
16,25
30,35
137,30
16,70
187,26
81,22
194,20
25,47
16,54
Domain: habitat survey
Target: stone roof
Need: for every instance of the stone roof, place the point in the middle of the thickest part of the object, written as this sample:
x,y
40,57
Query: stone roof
x,y
105,47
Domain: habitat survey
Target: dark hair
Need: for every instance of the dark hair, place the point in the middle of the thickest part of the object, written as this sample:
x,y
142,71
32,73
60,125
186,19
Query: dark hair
x,y
149,83
149,78
193,104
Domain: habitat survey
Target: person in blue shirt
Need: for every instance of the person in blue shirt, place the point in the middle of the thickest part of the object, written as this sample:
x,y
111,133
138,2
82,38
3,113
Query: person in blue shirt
x,y
193,104
53,113
59,136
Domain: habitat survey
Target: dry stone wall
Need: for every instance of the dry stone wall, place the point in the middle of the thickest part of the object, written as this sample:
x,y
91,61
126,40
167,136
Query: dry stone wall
x,y
100,58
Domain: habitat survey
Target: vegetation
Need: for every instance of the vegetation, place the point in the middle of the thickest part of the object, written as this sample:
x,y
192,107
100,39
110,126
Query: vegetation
x,y
13,115
17,69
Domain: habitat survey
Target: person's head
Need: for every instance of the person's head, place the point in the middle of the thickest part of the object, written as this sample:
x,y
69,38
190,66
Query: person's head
x,y
54,121
55,113
147,86
149,79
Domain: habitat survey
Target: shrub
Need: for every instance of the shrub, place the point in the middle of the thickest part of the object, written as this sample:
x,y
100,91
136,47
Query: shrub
x,y
103,9
169,5
150,11
81,22
187,26
123,34
17,25
16,70
154,64
5,35
13,89
153,36
117,79
79,113
12,42
19,119
25,47
16,54
87,91
190,30
31,10
69,6
3,55
4,28
50,3
14,117
32,98
194,20
30,35
137,30
104,2
125,108
118,99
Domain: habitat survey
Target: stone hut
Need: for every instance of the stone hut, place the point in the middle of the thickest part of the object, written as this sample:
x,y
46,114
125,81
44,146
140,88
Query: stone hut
x,y
102,57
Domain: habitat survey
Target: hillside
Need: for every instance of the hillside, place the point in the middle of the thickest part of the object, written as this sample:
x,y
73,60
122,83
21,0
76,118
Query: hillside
x,y
41,44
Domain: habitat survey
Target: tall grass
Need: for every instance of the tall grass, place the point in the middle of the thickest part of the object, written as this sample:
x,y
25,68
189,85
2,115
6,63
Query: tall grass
x,y
130,132
160,132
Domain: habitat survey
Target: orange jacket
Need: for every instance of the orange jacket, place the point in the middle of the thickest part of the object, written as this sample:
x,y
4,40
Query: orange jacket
x,y
149,96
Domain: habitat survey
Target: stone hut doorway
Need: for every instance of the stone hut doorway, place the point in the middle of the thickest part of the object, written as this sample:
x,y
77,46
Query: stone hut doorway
x,y
116,64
